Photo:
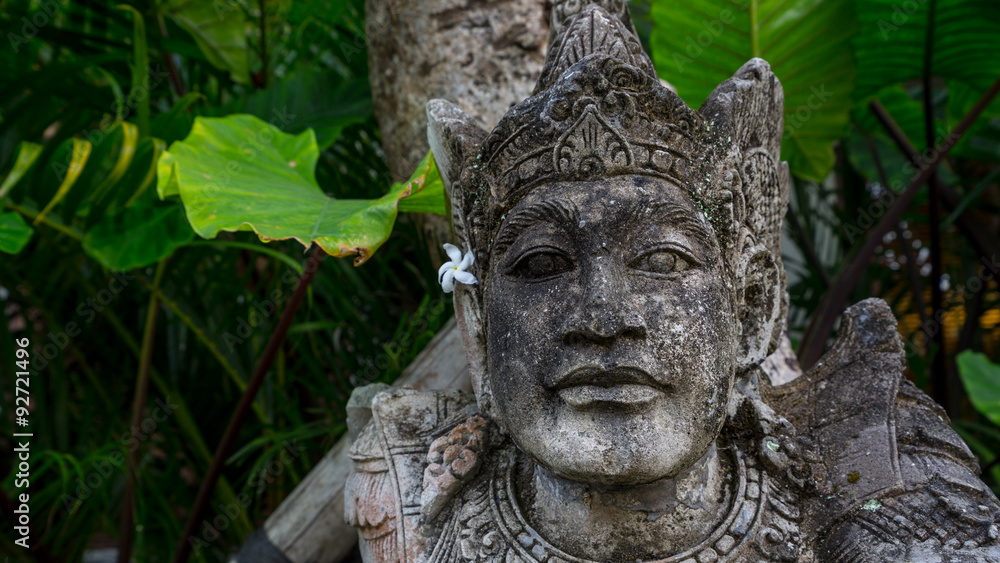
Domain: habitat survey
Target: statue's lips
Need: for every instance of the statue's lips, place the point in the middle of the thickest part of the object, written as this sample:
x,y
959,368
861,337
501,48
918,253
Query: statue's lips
x,y
593,387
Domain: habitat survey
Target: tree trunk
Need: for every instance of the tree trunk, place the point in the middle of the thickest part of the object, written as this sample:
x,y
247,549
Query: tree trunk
x,y
482,55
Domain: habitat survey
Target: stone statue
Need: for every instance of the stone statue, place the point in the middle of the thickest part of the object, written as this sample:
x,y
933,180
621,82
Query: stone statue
x,y
630,285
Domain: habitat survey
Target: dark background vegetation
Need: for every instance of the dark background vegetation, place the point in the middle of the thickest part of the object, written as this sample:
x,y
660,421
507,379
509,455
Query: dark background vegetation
x,y
73,76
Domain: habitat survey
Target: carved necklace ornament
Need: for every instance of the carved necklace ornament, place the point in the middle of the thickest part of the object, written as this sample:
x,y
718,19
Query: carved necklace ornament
x,y
491,527
626,289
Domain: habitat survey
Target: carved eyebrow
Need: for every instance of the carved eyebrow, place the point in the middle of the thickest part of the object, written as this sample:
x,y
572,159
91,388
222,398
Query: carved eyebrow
x,y
689,224
556,211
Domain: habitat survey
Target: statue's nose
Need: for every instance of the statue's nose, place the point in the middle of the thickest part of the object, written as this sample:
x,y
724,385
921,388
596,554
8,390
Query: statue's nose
x,y
606,312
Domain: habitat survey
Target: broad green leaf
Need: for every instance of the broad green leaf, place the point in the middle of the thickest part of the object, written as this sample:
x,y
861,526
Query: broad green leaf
x,y
138,235
981,378
239,172
81,152
982,142
219,29
426,189
894,164
175,123
908,114
890,45
697,45
14,232
27,153
309,99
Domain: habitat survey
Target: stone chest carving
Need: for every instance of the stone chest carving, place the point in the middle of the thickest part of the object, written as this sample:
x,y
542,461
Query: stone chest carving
x,y
630,287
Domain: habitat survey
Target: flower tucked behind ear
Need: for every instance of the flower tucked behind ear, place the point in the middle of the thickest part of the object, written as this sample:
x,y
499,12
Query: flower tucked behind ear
x,y
456,269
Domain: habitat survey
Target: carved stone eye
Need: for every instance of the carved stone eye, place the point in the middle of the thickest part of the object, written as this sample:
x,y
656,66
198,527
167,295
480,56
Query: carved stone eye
x,y
540,265
661,262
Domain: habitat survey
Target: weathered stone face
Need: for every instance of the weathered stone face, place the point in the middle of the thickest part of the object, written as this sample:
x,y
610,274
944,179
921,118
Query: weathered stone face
x,y
611,334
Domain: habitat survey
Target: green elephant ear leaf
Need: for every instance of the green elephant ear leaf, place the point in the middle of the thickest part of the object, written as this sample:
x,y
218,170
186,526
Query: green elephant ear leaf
x,y
14,232
893,37
138,235
696,46
309,99
427,189
219,29
981,378
238,172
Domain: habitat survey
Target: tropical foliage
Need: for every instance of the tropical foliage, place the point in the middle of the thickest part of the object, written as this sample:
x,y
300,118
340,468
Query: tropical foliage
x,y
165,163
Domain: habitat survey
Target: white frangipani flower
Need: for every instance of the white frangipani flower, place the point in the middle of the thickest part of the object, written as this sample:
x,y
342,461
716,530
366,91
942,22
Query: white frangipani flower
x,y
456,269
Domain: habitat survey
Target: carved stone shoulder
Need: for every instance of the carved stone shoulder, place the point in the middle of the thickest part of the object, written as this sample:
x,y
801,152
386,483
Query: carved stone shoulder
x,y
890,479
843,409
382,497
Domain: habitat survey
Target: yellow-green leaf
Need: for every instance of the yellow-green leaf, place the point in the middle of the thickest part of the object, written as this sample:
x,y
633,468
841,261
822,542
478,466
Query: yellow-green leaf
x,y
239,172
27,153
81,152
426,189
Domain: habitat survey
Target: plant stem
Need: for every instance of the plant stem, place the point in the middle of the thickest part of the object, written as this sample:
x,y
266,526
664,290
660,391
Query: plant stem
x,y
68,231
940,384
814,339
138,407
236,422
977,233
195,441
168,59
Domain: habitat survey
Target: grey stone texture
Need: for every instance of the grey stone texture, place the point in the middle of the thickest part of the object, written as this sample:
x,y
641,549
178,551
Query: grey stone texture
x,y
630,290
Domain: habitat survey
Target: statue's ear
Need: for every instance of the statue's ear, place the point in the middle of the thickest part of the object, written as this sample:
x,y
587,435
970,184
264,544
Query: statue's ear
x,y
454,137
468,314
759,302
747,115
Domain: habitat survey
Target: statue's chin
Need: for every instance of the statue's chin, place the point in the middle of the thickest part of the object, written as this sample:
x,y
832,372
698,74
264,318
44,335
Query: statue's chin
x,y
613,459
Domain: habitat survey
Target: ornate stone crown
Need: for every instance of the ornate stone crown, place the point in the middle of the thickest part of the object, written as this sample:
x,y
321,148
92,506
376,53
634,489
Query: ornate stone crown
x,y
598,111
